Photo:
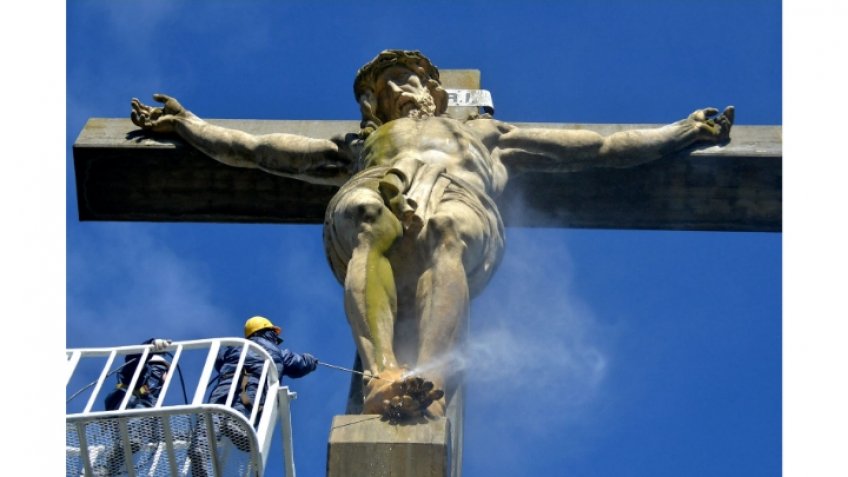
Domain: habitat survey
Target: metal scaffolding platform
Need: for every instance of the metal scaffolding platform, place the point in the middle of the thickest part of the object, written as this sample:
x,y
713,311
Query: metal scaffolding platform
x,y
180,434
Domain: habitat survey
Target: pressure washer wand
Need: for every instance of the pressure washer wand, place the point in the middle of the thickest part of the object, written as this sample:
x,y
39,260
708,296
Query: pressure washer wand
x,y
351,371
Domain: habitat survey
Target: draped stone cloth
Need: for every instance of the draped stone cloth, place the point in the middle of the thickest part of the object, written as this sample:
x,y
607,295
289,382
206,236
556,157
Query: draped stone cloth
x,y
429,186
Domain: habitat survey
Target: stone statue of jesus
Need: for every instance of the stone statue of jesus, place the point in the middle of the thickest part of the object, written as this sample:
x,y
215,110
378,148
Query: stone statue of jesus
x,y
413,232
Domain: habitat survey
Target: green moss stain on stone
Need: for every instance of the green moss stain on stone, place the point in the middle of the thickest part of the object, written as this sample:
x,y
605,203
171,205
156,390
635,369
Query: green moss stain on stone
x,y
379,280
379,145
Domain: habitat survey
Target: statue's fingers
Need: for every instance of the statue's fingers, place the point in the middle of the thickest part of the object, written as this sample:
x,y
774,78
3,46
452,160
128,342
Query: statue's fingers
x,y
710,112
142,109
712,128
136,119
725,124
729,113
701,115
136,106
725,119
162,98
171,105
146,120
435,395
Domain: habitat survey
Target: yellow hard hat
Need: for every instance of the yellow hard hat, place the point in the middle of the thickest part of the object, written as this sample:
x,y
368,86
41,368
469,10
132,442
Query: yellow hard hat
x,y
257,323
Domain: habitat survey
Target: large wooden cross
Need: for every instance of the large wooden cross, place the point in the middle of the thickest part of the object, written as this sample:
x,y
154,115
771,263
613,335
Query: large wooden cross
x,y
123,174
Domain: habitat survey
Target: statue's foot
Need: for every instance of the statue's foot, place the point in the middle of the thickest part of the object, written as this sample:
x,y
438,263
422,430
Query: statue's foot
x,y
399,397
419,398
381,388
438,408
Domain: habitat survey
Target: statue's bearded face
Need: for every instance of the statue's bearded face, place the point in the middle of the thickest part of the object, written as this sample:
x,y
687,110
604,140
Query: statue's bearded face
x,y
401,93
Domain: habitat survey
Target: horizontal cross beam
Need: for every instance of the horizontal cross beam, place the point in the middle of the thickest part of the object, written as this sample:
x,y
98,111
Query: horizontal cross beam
x,y
123,174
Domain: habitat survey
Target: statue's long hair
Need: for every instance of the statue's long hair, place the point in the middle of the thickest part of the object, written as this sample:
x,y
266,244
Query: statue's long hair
x,y
364,85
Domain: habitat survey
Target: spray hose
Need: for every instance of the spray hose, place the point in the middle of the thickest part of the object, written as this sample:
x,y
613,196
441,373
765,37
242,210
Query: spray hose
x,y
333,366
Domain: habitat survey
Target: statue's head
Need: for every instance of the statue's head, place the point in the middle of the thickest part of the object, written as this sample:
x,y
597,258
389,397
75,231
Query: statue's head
x,y
379,98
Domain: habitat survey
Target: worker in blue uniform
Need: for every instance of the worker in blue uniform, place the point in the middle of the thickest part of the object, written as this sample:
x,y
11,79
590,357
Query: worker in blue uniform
x,y
263,332
143,395
149,382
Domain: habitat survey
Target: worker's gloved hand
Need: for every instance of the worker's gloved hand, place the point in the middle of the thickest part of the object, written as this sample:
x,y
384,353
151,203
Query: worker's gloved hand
x,y
160,344
311,361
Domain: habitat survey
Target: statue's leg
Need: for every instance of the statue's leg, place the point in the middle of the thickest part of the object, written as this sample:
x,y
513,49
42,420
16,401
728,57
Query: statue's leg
x,y
368,228
454,240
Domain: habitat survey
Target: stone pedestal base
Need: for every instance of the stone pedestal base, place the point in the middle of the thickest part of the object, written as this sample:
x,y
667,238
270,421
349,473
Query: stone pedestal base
x,y
366,446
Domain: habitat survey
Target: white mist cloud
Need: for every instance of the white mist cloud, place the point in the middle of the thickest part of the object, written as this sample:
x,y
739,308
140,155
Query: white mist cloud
x,y
538,359
535,341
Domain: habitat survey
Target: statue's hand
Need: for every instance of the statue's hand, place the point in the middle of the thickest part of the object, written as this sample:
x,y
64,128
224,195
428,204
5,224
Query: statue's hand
x,y
711,126
161,120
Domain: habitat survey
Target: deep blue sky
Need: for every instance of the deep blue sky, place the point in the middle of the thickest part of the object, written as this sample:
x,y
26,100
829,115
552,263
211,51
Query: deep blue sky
x,y
602,353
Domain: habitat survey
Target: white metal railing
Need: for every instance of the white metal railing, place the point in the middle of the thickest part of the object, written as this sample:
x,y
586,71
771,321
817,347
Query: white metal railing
x,y
178,435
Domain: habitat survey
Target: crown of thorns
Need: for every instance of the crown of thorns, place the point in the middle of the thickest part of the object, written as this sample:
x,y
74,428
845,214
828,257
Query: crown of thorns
x,y
412,59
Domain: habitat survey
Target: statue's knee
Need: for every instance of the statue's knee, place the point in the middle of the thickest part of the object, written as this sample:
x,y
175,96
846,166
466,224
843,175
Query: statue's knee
x,y
442,229
358,209
368,212
374,219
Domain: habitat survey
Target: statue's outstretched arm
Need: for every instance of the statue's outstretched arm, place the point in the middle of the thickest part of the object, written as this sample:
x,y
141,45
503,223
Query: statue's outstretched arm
x,y
571,150
319,161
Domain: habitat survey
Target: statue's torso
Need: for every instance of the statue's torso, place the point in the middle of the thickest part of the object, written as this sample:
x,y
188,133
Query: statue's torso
x,y
439,141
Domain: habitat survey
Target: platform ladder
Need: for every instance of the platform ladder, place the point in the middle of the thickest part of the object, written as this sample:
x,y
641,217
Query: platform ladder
x,y
164,439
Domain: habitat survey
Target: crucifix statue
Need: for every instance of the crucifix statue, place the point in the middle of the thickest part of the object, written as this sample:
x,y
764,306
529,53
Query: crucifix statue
x,y
413,232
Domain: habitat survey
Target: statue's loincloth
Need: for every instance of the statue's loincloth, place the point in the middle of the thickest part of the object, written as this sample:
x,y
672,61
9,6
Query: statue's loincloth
x,y
429,187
